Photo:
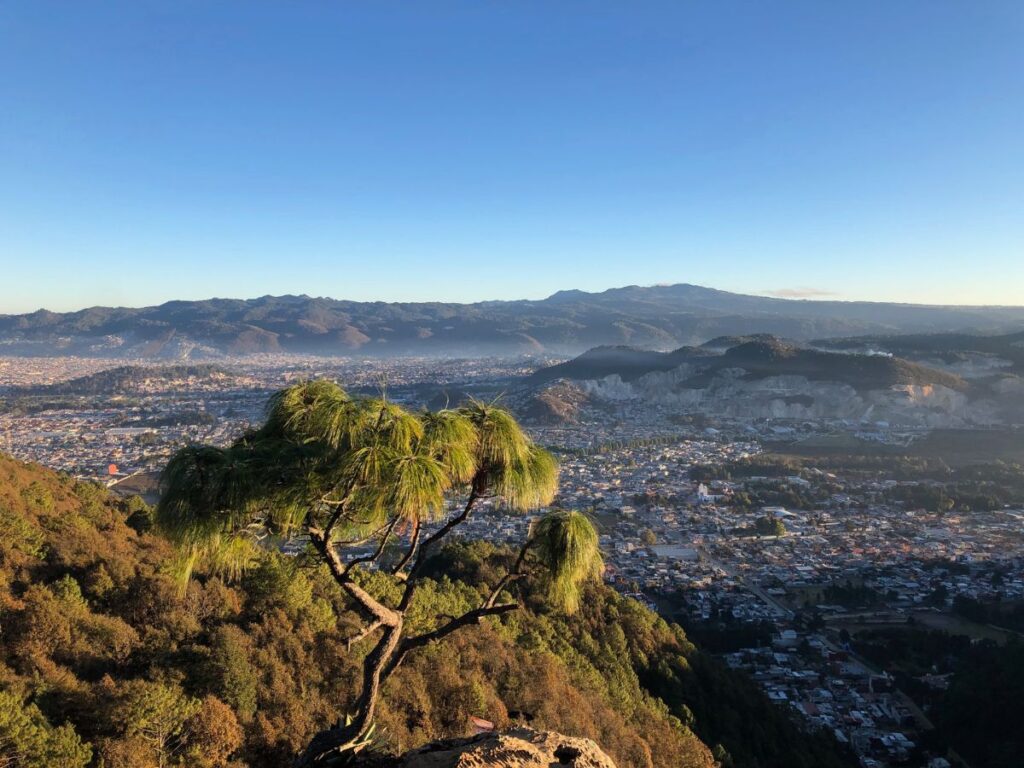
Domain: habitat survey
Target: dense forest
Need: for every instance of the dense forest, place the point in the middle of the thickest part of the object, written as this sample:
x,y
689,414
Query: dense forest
x,y
105,660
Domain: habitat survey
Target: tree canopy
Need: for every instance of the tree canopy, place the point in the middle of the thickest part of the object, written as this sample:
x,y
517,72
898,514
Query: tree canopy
x,y
354,475
89,608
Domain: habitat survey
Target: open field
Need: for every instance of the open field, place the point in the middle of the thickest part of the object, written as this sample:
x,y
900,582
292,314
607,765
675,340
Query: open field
x,y
956,447
954,625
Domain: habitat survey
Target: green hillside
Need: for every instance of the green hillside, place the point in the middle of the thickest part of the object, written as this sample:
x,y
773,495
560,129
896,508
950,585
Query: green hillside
x,y
104,661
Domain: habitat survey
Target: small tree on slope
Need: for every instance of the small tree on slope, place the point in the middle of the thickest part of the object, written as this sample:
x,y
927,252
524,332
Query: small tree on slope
x,y
353,472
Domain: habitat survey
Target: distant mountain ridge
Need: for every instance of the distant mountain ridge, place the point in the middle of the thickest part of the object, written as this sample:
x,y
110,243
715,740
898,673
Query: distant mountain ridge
x,y
568,322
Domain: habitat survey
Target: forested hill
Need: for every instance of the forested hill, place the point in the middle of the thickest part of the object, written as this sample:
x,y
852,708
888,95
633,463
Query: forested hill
x,y
568,322
103,661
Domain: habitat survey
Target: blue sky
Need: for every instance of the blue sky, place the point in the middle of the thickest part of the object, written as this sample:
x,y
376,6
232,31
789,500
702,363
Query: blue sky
x,y
482,149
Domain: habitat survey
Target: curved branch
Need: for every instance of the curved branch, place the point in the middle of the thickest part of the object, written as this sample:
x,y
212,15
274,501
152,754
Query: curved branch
x,y
356,542
488,608
512,575
388,530
417,529
339,510
444,530
440,533
340,572
472,617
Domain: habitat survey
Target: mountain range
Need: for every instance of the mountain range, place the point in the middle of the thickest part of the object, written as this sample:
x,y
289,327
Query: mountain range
x,y
565,323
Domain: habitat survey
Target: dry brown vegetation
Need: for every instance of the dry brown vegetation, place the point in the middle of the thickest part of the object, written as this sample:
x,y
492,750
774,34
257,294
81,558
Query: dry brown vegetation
x,y
97,635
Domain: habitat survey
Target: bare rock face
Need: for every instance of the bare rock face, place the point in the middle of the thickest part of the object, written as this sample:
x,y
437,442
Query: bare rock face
x,y
732,394
517,748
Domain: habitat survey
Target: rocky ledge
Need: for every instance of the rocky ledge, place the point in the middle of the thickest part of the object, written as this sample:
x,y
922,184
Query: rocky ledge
x,y
516,748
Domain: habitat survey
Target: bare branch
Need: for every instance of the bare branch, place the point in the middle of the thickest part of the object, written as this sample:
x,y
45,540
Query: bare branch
x,y
490,607
444,530
388,530
365,632
472,617
363,540
417,528
339,509
340,572
512,575
440,533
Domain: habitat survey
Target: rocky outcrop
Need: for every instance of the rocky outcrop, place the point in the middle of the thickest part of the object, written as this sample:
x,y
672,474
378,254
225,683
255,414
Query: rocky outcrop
x,y
517,748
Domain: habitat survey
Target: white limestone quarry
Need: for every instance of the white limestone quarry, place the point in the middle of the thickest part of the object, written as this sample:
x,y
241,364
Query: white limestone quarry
x,y
729,394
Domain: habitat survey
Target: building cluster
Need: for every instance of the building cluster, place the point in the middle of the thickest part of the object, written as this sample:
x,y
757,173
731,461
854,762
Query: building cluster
x,y
830,690
853,560
108,437
107,441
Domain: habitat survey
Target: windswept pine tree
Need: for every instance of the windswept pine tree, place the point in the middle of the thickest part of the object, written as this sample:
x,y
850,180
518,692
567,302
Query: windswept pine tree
x,y
95,630
350,472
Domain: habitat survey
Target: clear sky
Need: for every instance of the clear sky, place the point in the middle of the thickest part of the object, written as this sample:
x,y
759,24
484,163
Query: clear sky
x,y
506,149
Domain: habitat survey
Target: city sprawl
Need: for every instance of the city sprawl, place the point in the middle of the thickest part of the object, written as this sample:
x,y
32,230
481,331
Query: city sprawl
x,y
793,572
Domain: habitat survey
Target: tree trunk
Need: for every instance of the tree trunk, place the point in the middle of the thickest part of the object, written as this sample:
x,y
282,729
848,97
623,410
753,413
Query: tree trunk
x,y
373,671
387,654
330,744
